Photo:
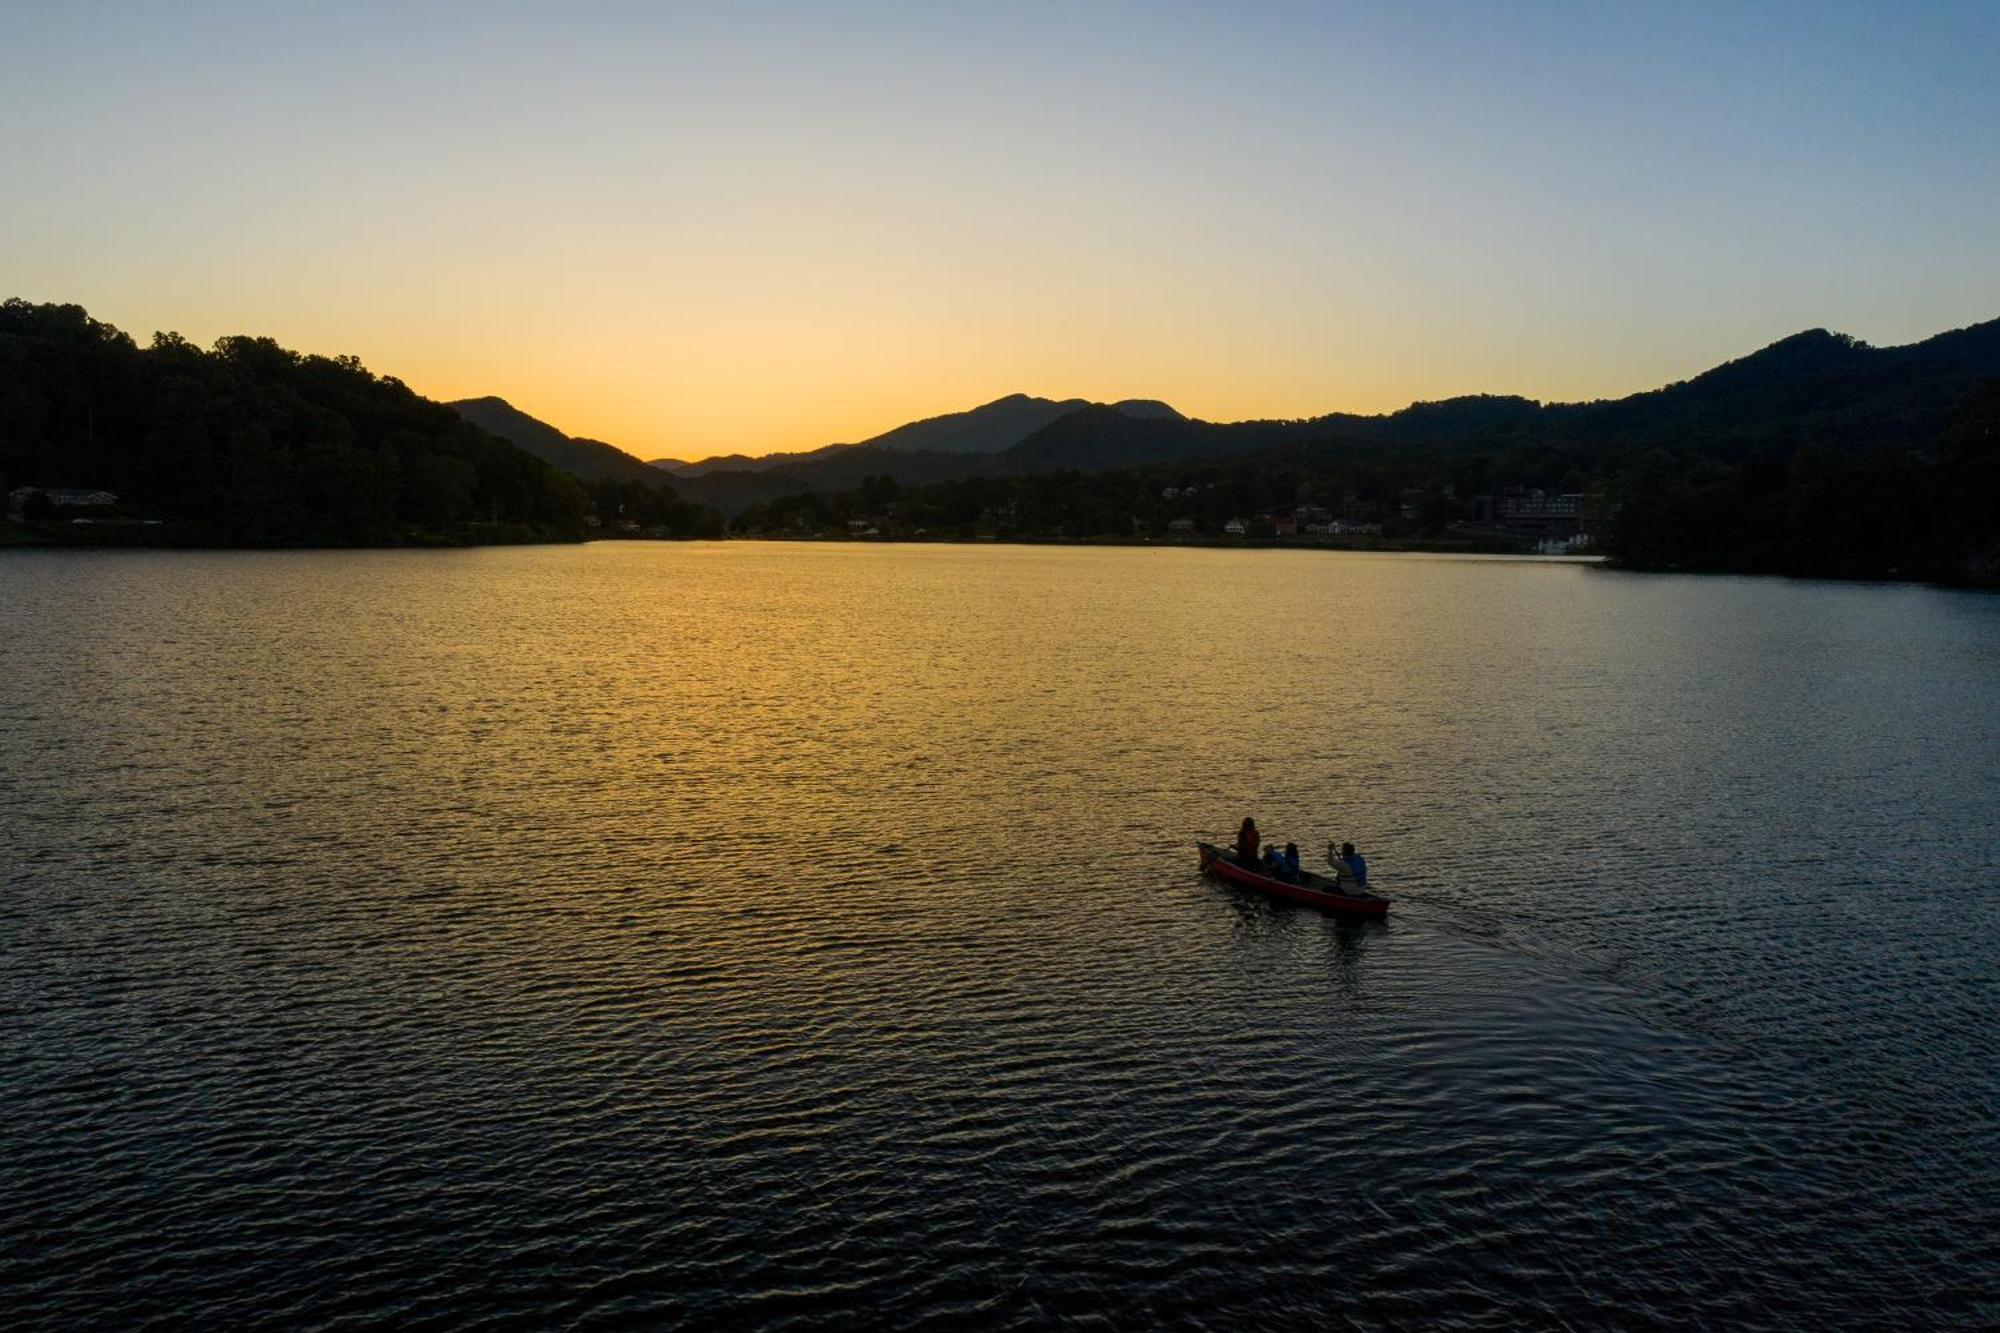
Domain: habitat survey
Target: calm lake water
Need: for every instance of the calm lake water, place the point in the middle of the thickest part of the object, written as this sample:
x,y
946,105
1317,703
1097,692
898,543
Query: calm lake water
x,y
642,935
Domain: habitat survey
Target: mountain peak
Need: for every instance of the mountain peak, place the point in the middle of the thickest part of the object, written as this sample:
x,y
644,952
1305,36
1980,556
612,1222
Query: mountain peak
x,y
990,428
1810,352
1813,342
586,460
1148,409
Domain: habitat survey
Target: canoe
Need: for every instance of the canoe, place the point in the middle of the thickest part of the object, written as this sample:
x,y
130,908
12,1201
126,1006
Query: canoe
x,y
1315,889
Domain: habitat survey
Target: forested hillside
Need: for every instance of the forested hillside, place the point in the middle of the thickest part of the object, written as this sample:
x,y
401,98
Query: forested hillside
x,y
990,428
250,443
624,492
585,459
1817,456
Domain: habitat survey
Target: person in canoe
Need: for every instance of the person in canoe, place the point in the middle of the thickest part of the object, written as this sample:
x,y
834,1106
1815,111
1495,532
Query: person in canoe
x,y
1280,865
1350,868
1246,844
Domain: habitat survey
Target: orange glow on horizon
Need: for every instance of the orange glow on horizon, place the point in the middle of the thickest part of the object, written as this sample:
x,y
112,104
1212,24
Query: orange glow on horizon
x,y
709,232
722,384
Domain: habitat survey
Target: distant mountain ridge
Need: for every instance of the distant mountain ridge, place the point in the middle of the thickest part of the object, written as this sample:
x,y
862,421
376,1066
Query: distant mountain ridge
x,y
1814,386
586,460
1817,455
990,428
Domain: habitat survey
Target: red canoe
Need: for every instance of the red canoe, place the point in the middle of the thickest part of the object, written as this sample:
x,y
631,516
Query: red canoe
x,y
1311,888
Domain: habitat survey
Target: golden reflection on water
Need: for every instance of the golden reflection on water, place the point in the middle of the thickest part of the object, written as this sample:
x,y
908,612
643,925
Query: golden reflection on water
x,y
822,732
795,909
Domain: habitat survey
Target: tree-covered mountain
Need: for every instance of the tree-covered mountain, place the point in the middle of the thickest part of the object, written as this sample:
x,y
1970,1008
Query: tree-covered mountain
x,y
586,460
731,491
959,444
1817,455
989,428
624,492
1895,512
1814,387
249,443
997,426
743,462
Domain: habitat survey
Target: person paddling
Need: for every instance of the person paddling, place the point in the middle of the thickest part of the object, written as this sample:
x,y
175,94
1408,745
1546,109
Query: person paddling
x,y
1349,865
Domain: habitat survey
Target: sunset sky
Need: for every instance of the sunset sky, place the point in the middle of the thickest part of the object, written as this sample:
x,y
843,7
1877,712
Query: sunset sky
x,y
728,227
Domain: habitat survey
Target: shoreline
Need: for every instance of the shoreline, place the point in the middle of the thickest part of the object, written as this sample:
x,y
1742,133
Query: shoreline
x,y
15,537
1384,545
134,537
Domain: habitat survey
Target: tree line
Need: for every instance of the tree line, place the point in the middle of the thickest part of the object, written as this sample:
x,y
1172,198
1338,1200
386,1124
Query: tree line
x,y
1717,499
1879,511
1411,493
250,443
1818,456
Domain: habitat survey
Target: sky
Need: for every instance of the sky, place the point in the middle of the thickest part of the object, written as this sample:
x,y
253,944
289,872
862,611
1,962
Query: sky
x,y
712,228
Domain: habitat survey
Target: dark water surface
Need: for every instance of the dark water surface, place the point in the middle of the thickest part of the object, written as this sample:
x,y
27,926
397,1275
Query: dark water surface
x,y
765,936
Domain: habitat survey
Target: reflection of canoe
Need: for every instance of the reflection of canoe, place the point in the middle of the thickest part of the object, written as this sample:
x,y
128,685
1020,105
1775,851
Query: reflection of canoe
x,y
1315,889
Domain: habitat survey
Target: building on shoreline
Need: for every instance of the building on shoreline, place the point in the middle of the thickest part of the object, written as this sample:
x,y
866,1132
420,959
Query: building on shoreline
x,y
54,501
1568,520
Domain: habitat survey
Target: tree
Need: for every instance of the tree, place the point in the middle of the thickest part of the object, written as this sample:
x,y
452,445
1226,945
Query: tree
x,y
250,442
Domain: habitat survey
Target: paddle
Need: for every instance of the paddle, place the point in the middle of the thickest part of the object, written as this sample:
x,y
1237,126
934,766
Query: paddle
x,y
1343,874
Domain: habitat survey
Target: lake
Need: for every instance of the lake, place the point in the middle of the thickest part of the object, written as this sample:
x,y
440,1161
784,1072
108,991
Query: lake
x,y
769,935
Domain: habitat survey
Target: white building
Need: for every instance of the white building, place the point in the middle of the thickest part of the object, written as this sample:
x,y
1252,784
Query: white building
x,y
58,498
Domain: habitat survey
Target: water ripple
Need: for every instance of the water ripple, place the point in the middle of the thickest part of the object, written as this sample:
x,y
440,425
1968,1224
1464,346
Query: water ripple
x,y
646,936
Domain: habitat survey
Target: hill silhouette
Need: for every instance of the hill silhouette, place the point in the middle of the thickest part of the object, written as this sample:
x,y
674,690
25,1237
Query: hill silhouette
x,y
973,443
586,460
990,428
1813,386
1817,455
250,443
1816,385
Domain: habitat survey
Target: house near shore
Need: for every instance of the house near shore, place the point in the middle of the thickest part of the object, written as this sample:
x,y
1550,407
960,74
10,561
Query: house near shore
x,y
1538,516
57,499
